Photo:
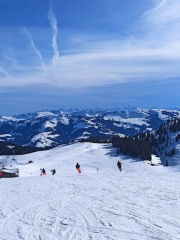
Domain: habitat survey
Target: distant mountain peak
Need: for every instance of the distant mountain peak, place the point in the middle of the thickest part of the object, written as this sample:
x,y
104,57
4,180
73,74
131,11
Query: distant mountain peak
x,y
53,127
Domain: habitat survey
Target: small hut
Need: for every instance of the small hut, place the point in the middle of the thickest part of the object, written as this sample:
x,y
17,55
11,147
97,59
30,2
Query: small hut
x,y
10,173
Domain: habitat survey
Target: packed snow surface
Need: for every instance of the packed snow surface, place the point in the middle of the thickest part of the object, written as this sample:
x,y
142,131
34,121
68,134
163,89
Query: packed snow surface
x,y
101,203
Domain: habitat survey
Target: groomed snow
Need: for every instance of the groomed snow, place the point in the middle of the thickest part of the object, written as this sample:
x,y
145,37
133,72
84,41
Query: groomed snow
x,y
101,203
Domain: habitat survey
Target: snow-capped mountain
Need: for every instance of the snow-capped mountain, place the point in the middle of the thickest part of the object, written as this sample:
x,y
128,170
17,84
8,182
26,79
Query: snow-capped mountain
x,y
50,128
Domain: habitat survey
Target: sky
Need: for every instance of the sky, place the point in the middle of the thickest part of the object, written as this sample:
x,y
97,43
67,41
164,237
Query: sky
x,y
88,54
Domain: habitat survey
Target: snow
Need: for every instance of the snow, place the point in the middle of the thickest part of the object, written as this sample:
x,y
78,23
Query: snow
x,y
121,135
155,161
84,135
133,121
81,125
44,138
50,124
45,114
176,158
10,170
163,116
149,129
64,120
6,118
125,126
10,146
139,203
5,135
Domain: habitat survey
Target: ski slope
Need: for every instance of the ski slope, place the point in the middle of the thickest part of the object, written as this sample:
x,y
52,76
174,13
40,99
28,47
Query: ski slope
x,y
139,203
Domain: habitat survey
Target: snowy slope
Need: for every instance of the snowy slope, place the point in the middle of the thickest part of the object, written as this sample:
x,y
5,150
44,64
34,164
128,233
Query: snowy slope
x,y
139,203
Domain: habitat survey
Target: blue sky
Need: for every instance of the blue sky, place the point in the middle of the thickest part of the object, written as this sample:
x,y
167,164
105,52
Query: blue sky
x,y
88,54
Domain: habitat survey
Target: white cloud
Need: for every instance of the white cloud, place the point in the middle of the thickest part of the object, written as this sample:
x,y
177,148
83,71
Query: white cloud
x,y
153,56
165,12
100,68
53,23
34,47
162,23
6,73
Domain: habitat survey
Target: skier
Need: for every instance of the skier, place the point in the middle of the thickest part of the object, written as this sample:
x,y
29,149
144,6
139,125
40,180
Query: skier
x,y
0,174
119,165
43,172
53,171
78,168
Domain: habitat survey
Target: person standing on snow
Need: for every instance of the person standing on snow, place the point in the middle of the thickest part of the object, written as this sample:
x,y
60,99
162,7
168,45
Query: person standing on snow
x,y
53,171
119,165
0,174
78,168
43,172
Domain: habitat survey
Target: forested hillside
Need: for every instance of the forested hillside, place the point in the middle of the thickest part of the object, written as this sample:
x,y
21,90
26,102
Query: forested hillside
x,y
161,142
11,149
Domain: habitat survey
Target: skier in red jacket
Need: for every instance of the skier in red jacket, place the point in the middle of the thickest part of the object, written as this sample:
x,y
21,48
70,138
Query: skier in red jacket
x,y
43,172
78,168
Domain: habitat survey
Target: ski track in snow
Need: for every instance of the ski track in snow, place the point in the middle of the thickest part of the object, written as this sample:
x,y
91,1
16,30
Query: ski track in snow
x,y
139,203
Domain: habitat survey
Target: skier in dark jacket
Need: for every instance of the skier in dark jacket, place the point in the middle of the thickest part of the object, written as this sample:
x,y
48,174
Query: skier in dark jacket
x,y
119,165
53,171
78,168
43,171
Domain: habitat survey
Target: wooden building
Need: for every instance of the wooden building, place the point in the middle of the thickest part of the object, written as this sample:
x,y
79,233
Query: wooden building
x,y
9,172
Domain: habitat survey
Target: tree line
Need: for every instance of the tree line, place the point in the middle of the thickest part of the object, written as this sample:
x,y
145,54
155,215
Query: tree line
x,y
135,147
7,148
145,144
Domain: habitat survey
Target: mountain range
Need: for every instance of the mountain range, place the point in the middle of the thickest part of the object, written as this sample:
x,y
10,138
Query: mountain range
x,y
51,128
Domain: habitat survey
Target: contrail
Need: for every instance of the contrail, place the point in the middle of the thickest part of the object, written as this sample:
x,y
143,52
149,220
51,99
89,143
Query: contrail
x,y
53,23
34,47
6,73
